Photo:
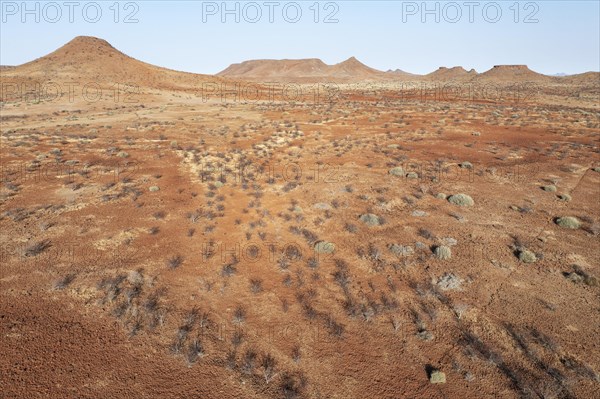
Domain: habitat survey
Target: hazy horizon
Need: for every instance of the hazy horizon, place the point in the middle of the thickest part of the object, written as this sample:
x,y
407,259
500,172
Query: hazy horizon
x,y
382,35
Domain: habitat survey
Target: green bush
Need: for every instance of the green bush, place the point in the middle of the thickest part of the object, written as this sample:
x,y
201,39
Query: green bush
x,y
442,252
461,200
398,171
564,197
568,222
526,256
370,219
324,247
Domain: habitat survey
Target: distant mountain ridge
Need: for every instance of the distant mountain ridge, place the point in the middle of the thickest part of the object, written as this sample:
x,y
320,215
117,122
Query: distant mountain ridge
x,y
88,59
306,70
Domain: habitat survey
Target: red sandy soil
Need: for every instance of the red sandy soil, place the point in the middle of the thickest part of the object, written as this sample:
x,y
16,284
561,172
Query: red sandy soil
x,y
124,280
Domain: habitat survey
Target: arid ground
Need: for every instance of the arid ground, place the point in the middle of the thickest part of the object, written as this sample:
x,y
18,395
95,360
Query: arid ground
x,y
171,235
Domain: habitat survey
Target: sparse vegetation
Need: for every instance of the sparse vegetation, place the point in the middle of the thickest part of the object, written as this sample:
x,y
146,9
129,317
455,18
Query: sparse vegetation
x,y
64,282
461,200
370,219
175,261
568,222
526,256
282,236
442,252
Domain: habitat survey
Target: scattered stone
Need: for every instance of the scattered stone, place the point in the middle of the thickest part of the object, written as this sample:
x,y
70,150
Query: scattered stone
x,y
476,134
596,169
441,196
568,222
412,175
324,247
218,184
437,377
515,208
419,213
154,188
297,209
442,252
551,188
425,335
370,219
465,165
322,206
461,200
122,154
526,256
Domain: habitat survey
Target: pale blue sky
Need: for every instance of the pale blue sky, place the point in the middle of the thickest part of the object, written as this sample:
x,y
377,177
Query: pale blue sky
x,y
566,37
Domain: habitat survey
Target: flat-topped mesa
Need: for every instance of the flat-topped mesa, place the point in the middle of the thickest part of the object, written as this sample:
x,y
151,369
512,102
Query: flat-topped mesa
x,y
513,74
303,70
452,73
512,67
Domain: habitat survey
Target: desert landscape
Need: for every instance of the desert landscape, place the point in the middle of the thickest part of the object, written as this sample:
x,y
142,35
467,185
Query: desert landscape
x,y
293,229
